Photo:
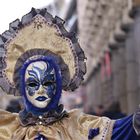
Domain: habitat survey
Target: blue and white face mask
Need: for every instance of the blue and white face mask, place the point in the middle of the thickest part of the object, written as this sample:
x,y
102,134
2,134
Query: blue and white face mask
x,y
40,83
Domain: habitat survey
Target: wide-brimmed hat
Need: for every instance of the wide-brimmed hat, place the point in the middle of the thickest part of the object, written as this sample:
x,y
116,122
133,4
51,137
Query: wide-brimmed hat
x,y
39,32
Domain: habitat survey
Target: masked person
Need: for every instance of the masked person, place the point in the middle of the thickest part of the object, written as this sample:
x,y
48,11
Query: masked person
x,y
39,59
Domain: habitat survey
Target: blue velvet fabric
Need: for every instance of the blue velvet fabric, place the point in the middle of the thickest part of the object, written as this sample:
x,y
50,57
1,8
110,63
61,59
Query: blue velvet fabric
x,y
123,129
92,133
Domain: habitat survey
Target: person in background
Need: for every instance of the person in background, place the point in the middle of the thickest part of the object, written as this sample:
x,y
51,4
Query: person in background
x,y
114,111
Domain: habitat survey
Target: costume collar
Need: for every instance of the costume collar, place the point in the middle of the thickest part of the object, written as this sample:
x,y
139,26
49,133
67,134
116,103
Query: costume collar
x,y
27,118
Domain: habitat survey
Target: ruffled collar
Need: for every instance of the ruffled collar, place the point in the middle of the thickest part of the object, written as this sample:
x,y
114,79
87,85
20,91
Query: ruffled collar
x,y
28,118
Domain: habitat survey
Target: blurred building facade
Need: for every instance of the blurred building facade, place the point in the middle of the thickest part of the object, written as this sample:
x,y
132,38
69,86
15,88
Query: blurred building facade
x,y
109,34
67,10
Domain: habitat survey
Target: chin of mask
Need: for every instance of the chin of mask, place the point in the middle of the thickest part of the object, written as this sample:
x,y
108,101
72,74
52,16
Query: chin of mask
x,y
40,83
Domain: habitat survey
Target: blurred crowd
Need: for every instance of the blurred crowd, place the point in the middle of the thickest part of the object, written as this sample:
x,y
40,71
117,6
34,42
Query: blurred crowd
x,y
78,100
113,112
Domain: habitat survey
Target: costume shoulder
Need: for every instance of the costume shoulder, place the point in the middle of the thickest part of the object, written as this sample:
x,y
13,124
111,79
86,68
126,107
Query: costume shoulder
x,y
76,126
8,124
92,126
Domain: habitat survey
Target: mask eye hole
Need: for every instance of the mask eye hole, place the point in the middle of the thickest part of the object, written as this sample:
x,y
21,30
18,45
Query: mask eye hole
x,y
32,84
48,83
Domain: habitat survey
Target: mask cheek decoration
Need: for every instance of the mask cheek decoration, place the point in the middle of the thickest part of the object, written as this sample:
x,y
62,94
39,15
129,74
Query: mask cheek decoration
x,y
30,88
30,91
50,90
38,93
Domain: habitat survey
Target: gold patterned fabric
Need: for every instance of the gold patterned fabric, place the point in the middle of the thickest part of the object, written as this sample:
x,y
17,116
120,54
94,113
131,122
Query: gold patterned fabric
x,y
74,127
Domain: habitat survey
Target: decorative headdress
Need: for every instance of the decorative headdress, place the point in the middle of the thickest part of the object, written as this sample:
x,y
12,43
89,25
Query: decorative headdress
x,y
39,34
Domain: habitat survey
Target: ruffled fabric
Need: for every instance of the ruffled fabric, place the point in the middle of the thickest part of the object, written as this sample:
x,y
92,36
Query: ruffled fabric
x,y
74,127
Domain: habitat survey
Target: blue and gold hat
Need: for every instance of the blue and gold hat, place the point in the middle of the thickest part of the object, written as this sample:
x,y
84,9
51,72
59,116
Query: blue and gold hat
x,y
39,33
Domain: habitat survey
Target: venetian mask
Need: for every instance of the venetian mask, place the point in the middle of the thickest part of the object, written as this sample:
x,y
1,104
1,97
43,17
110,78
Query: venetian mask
x,y
40,83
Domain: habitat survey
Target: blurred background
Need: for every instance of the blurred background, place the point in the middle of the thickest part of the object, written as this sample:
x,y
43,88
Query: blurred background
x,y
109,33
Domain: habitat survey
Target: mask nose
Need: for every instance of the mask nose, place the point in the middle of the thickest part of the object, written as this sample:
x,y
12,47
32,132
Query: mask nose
x,y
41,90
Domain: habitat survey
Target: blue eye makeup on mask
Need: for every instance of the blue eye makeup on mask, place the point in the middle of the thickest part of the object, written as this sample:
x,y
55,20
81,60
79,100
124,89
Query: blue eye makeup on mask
x,y
32,83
